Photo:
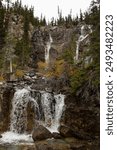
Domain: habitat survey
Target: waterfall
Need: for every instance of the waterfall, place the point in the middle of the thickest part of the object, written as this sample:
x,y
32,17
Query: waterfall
x,y
47,102
19,110
18,118
53,106
82,30
48,109
59,100
81,38
77,51
47,112
78,44
47,49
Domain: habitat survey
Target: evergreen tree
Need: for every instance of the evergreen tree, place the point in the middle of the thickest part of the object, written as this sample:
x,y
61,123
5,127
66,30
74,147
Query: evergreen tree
x,y
2,27
79,80
26,28
81,16
76,21
42,21
52,21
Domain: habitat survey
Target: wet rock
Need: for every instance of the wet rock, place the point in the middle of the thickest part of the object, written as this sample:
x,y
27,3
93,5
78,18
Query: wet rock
x,y
7,95
49,90
78,147
41,133
53,54
0,136
81,116
53,144
76,144
38,51
65,131
56,135
61,40
17,147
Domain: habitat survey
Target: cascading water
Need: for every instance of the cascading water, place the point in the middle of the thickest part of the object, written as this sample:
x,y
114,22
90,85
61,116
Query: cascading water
x,y
59,100
48,109
47,102
19,111
53,106
47,49
18,117
82,30
78,44
82,37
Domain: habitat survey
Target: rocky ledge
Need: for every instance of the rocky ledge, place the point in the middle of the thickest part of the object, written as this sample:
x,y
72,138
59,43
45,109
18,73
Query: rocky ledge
x,y
67,140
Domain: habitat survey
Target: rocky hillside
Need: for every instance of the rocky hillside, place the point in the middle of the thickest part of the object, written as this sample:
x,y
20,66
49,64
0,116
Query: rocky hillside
x,y
61,57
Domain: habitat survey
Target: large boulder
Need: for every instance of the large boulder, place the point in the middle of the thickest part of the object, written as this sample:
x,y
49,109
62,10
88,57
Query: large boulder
x,y
65,131
41,133
56,135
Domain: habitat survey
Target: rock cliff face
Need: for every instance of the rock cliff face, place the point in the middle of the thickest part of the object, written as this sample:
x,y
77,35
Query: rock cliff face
x,y
80,115
6,95
61,38
49,79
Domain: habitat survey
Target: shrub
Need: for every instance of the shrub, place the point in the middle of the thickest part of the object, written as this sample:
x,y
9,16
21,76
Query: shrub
x,y
19,73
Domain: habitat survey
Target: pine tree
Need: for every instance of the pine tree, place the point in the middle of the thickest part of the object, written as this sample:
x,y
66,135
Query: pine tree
x,y
87,18
52,21
2,27
79,80
81,16
76,21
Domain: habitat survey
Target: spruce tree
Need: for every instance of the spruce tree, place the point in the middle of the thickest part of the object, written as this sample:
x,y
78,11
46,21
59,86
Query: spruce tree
x,y
81,16
2,28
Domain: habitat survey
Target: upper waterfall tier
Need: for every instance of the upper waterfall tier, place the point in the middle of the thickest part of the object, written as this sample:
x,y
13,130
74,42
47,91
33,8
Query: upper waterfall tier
x,y
47,49
81,38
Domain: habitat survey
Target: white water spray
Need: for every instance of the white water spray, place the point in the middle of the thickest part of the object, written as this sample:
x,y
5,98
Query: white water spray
x,y
46,101
47,49
51,111
53,106
82,37
19,110
59,99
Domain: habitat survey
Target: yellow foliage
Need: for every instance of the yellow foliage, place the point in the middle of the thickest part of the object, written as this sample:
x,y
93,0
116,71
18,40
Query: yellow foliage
x,y
72,71
49,74
1,78
42,65
59,62
19,73
57,69
14,65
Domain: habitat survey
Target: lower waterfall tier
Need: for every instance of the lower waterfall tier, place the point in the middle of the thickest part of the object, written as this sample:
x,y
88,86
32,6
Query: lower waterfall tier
x,y
47,109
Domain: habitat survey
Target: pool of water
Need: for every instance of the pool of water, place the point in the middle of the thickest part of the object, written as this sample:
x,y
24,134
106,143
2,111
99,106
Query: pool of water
x,y
14,141
17,147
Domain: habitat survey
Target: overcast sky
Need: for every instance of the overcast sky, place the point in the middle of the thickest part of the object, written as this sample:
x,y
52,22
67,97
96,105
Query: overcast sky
x,y
49,7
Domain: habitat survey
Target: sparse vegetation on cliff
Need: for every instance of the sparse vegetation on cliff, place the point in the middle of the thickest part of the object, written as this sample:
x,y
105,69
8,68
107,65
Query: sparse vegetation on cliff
x,y
42,57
